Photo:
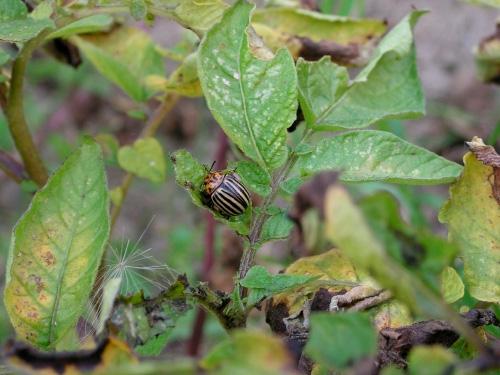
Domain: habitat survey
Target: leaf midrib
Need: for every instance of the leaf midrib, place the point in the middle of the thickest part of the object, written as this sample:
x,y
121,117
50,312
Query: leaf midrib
x,y
243,96
60,277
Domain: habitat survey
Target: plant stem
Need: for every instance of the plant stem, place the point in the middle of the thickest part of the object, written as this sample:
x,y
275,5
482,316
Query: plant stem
x,y
248,257
196,339
14,112
149,131
12,168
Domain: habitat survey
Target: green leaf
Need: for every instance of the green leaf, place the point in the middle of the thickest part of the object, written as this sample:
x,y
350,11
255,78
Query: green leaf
x,y
388,87
144,159
491,3
430,360
189,174
320,83
254,177
250,92
17,26
57,248
195,15
125,56
276,227
262,284
22,30
138,9
292,185
154,346
90,24
371,155
320,27
339,340
42,10
12,9
116,195
260,278
423,252
472,215
452,287
246,353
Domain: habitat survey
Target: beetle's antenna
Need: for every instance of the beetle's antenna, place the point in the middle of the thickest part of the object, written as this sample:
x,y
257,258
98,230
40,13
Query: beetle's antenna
x,y
212,166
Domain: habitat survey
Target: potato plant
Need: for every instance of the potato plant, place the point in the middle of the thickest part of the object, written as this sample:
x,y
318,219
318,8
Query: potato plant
x,y
381,296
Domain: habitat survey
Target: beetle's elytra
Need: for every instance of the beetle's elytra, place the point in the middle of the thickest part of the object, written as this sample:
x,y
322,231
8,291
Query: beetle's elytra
x,y
224,193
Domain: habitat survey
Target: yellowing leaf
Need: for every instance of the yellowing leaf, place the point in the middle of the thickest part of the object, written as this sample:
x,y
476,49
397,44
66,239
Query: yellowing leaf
x,y
430,360
472,215
392,314
248,353
452,287
144,159
196,15
91,24
184,80
56,249
332,265
318,27
327,343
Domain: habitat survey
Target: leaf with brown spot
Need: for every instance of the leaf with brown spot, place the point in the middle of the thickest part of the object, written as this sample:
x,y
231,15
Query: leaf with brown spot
x,y
56,249
472,215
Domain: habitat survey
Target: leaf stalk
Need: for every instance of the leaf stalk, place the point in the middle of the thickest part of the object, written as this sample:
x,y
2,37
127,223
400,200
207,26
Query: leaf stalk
x,y
14,111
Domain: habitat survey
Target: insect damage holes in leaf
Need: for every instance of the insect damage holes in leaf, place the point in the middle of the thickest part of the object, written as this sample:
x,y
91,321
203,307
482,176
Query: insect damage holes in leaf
x,y
251,93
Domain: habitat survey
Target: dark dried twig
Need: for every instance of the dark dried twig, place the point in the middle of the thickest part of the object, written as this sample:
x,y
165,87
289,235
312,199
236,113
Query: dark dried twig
x,y
396,343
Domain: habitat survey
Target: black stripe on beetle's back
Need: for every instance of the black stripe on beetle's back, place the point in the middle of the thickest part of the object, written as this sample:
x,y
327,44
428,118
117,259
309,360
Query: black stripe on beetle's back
x,y
225,204
229,199
235,193
236,188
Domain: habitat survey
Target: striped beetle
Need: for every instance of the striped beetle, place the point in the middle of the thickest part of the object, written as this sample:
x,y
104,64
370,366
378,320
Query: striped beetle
x,y
224,193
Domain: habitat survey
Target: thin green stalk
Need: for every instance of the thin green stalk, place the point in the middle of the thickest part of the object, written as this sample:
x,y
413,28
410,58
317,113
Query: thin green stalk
x,y
149,131
248,257
14,112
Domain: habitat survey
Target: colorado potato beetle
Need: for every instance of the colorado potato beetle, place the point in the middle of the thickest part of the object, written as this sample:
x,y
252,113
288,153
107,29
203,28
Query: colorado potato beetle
x,y
224,193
